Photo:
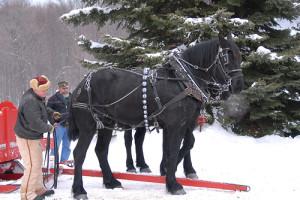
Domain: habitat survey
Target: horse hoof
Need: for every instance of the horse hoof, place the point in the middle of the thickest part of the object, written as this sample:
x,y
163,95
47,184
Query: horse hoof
x,y
191,176
179,192
81,197
131,170
119,187
145,170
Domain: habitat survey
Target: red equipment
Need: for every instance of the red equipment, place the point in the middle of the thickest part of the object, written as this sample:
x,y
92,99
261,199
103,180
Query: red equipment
x,y
9,152
10,168
160,179
8,146
201,121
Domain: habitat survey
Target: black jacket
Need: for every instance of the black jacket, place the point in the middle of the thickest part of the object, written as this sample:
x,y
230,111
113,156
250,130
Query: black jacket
x,y
58,104
32,116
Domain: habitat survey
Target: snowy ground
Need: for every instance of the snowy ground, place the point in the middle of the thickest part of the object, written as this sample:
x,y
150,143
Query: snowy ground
x,y
269,165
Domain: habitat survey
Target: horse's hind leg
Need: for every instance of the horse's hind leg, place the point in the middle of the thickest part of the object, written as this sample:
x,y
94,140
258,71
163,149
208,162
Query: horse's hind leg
x,y
189,170
101,149
139,137
79,153
185,154
128,145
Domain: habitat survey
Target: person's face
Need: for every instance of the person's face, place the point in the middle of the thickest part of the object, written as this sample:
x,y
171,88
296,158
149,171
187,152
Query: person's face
x,y
63,90
41,93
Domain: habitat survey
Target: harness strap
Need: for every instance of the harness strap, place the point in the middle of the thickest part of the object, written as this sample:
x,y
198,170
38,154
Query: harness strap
x,y
157,99
177,98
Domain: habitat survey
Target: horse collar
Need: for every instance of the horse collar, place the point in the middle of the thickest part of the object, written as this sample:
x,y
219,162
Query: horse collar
x,y
198,91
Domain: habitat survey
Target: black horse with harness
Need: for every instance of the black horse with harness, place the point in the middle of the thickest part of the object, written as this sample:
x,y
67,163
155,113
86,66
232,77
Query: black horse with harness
x,y
169,97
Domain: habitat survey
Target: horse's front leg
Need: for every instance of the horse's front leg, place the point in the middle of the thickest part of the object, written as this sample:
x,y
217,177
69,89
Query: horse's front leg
x,y
174,139
79,154
101,149
163,164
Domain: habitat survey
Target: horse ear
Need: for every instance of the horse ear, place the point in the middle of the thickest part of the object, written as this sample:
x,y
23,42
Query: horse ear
x,y
229,36
222,40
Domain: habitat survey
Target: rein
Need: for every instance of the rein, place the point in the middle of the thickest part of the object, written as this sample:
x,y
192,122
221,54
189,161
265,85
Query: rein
x,y
56,162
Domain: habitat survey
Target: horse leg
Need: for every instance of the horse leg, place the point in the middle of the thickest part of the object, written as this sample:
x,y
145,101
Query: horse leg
x,y
188,167
184,153
139,137
79,154
128,144
101,149
173,145
163,164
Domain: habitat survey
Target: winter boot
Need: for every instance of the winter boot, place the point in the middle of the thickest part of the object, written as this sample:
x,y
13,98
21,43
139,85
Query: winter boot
x,y
46,194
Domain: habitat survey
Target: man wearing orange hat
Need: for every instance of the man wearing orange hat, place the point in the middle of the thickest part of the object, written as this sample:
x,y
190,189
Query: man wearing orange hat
x,y
30,126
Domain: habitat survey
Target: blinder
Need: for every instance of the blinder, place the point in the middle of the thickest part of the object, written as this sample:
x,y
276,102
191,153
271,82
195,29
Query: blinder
x,y
224,56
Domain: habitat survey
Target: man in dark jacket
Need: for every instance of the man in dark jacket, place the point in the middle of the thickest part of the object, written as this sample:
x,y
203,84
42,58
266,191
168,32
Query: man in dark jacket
x,y
29,128
60,102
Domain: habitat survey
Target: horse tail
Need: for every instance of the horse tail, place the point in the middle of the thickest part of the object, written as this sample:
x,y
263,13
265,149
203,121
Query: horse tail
x,y
73,132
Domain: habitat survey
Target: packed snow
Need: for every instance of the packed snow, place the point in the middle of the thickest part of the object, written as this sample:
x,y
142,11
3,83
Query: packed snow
x,y
269,165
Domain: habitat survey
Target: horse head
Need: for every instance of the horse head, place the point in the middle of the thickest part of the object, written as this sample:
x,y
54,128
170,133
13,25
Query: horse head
x,y
216,65
231,59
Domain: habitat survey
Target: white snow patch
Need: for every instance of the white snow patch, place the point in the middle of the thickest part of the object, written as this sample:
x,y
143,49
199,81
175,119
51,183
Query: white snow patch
x,y
97,45
152,55
86,11
198,20
254,37
91,62
238,21
254,84
273,56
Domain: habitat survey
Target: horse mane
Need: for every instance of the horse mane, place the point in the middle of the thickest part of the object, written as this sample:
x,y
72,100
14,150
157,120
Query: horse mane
x,y
202,54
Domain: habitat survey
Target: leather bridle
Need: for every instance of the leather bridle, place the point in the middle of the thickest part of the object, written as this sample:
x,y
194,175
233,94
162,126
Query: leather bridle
x,y
221,60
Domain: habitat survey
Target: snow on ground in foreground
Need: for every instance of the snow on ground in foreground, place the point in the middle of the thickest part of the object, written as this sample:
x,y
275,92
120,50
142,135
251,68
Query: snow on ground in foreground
x,y
269,165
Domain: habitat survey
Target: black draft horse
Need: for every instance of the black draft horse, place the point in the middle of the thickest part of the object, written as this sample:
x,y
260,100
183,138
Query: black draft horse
x,y
111,95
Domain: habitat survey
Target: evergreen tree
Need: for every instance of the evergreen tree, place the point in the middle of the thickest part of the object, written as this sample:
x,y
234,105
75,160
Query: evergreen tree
x,y
157,29
271,68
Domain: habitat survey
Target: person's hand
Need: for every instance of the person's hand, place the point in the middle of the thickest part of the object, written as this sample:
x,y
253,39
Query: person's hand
x,y
55,124
52,130
56,115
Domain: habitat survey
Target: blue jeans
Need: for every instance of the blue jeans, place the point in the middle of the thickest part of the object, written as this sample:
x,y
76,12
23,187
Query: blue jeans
x,y
62,135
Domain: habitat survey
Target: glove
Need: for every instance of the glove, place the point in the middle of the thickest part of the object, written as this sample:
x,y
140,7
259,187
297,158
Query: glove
x,y
52,130
56,115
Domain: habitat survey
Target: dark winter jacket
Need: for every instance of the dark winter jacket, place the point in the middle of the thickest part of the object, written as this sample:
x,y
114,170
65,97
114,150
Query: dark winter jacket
x,y
32,116
59,104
